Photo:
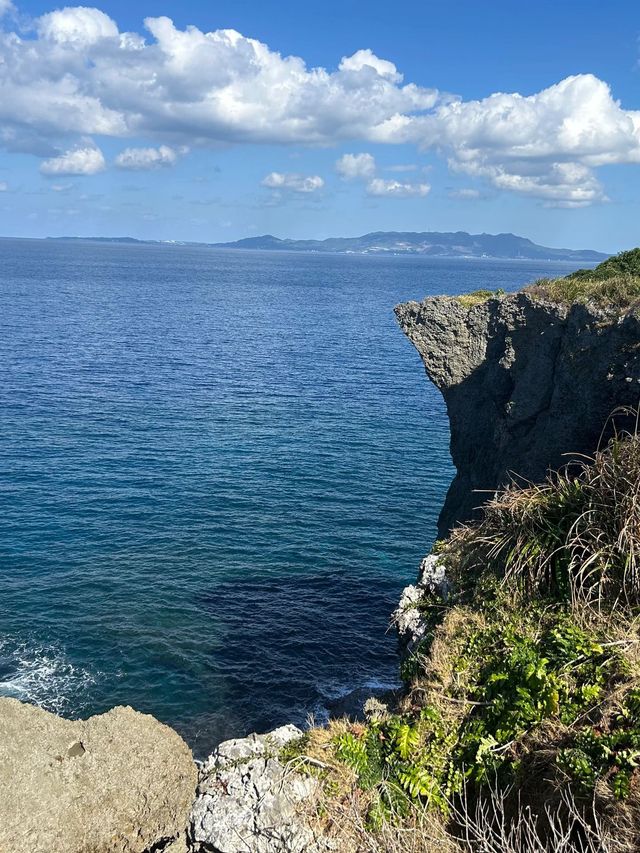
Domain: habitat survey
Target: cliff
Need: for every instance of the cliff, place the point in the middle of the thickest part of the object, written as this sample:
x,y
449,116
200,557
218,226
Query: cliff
x,y
526,381
521,671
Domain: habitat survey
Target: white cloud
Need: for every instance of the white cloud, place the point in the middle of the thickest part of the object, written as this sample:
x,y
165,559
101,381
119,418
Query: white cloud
x,y
465,193
356,166
545,145
77,26
6,6
80,75
77,161
77,75
147,158
367,61
396,189
291,181
4,187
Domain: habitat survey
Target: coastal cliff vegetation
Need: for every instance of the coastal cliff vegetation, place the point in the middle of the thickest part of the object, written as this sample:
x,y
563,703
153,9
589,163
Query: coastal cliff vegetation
x,y
519,725
613,283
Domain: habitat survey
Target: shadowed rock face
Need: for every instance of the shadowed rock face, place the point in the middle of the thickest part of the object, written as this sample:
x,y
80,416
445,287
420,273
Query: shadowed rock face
x,y
527,384
120,782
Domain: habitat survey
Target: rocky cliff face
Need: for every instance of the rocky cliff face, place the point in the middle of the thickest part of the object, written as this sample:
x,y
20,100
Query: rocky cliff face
x,y
527,383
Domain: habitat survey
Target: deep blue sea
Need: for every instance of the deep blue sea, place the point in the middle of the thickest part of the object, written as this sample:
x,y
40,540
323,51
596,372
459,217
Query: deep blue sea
x,y
218,470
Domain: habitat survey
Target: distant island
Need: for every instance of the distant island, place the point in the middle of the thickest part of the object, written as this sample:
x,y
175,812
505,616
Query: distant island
x,y
448,244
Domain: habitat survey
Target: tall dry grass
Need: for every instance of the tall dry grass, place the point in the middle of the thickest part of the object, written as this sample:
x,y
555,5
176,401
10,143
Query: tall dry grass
x,y
575,536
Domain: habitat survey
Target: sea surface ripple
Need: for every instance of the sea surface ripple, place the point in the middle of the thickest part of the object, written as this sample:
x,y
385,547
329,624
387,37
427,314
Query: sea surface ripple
x,y
218,471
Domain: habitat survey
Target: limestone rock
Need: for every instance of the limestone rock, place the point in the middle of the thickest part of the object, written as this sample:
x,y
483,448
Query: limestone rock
x,y
120,782
408,617
526,382
249,801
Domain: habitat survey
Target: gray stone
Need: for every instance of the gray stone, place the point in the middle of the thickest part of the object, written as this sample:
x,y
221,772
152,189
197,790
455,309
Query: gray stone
x,y
528,385
120,782
248,801
408,618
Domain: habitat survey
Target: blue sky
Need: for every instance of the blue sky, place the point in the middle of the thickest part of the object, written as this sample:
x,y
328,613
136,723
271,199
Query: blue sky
x,y
213,121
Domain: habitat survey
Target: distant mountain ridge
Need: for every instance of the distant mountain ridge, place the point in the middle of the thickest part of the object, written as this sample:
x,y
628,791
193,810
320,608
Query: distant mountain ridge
x,y
447,244
432,243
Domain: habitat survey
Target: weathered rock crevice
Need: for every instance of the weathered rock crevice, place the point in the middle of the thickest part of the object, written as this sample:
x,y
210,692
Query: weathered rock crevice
x,y
527,385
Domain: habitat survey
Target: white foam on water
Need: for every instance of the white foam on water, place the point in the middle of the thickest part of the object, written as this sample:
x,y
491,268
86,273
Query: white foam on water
x,y
42,675
332,691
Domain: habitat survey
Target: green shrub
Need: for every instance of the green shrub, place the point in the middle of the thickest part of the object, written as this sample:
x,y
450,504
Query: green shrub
x,y
625,263
520,669
613,283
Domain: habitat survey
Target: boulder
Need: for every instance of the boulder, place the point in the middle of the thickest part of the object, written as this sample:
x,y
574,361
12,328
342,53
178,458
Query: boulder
x,y
249,801
120,782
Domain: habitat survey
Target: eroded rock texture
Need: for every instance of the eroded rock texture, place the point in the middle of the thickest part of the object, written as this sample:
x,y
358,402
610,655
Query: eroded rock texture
x,y
526,383
250,802
120,782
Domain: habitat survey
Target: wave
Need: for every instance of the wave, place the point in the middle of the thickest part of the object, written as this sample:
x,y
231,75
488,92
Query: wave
x,y
42,674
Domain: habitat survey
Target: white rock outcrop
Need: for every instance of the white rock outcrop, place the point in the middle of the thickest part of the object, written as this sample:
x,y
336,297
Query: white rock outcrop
x,y
408,618
249,801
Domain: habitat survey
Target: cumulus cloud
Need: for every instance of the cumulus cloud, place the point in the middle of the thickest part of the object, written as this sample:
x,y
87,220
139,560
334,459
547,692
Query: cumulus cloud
x,y
81,75
544,145
293,181
356,166
144,159
78,75
6,6
77,161
367,61
396,189
78,26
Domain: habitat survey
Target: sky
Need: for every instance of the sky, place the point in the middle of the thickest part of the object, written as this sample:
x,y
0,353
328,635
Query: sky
x,y
212,121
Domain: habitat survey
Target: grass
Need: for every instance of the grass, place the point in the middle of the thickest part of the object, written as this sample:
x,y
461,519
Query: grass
x,y
620,291
477,297
575,536
614,283
625,264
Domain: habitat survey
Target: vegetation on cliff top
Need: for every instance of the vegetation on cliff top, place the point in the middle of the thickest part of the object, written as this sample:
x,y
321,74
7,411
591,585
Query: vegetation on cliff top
x,y
615,282
522,705
476,297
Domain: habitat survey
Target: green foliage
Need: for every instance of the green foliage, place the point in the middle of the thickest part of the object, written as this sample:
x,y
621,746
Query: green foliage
x,y
615,282
624,263
516,670
619,292
612,754
294,748
518,666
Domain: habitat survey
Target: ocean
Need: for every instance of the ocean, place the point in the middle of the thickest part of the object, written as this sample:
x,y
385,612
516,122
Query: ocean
x,y
218,470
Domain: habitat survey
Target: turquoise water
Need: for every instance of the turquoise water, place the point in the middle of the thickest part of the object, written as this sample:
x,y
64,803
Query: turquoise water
x,y
218,472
